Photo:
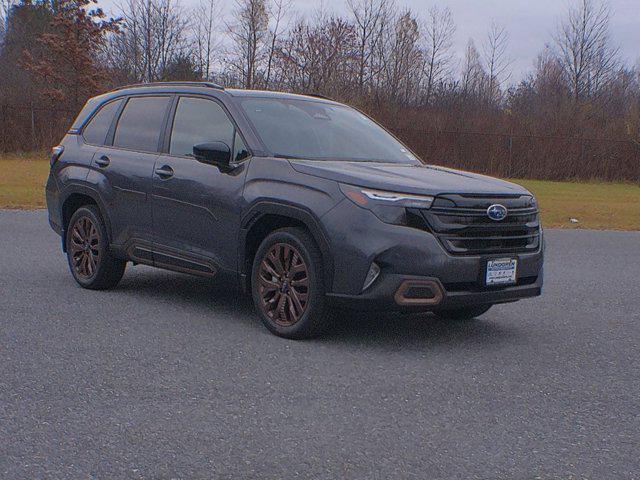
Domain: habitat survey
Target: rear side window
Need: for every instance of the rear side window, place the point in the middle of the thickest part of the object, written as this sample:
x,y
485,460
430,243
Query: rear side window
x,y
96,130
140,124
198,120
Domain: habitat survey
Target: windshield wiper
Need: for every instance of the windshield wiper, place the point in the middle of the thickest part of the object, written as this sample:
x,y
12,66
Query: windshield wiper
x,y
338,159
289,157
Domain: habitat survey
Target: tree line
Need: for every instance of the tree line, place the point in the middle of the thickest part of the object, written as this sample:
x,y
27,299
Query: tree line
x,y
576,114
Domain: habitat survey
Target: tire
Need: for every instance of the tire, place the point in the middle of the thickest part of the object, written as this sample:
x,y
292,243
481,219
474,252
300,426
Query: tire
x,y
287,285
466,313
91,263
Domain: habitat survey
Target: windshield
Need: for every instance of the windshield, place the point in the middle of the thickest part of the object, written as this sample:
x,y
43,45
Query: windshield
x,y
322,131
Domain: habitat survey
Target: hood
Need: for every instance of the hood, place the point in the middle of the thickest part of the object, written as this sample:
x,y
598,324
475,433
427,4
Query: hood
x,y
419,179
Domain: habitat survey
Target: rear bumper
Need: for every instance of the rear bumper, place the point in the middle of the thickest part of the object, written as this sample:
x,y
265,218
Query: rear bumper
x,y
383,295
52,196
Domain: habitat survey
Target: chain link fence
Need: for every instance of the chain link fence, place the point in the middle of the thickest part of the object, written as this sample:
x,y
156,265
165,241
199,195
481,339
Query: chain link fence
x,y
528,156
24,128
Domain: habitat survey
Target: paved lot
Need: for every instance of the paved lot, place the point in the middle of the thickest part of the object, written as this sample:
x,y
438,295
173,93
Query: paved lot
x,y
170,376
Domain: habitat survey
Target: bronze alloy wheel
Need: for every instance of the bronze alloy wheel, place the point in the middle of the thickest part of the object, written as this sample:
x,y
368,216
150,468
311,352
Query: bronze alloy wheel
x,y
84,247
283,284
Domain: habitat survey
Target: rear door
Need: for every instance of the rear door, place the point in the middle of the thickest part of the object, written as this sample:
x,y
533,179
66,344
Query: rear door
x,y
196,207
126,165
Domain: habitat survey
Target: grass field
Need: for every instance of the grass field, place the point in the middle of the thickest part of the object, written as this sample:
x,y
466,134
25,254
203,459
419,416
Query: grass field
x,y
594,205
22,179
601,206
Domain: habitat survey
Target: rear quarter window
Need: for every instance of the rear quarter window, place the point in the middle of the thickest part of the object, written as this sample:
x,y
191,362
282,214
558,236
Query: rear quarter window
x,y
96,130
140,123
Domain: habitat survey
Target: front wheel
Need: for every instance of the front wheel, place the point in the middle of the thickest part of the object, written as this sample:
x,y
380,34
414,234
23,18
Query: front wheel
x,y
466,313
287,284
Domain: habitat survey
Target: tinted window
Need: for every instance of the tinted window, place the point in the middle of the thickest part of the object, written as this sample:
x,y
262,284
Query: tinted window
x,y
140,123
240,151
198,120
322,131
96,130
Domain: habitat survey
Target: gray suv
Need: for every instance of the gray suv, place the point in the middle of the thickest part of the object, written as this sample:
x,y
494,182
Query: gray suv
x,y
304,202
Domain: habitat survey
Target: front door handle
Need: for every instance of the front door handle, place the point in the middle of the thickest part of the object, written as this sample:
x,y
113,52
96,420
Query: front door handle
x,y
164,172
103,161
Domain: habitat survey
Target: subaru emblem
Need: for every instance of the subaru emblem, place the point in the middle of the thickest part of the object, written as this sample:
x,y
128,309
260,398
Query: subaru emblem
x,y
497,212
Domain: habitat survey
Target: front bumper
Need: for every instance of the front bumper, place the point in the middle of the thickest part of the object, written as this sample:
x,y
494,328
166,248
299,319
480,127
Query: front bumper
x,y
382,295
405,253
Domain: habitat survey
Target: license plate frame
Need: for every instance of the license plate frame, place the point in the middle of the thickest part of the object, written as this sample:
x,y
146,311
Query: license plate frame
x,y
501,271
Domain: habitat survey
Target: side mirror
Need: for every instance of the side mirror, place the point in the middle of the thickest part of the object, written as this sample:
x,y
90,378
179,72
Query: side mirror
x,y
214,153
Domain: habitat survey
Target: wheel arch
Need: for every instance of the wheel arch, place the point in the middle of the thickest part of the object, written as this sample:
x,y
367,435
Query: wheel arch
x,y
74,197
266,217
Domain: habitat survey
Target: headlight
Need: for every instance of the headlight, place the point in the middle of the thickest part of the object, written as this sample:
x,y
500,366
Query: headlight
x,y
368,198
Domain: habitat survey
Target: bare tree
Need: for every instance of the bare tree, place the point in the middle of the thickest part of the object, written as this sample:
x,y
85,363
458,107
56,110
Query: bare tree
x,y
368,18
248,33
405,59
320,57
206,23
585,48
439,31
496,60
153,37
473,74
5,7
278,11
385,61
171,34
549,75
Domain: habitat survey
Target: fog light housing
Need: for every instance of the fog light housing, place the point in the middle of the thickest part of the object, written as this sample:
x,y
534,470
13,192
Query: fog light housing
x,y
372,274
419,292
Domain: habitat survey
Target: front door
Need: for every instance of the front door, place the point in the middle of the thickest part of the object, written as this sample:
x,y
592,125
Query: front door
x,y
196,207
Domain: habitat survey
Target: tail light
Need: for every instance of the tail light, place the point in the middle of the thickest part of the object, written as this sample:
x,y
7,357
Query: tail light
x,y
55,154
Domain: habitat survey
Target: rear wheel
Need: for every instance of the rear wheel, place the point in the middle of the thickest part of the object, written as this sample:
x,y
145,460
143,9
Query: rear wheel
x,y
90,261
466,313
287,284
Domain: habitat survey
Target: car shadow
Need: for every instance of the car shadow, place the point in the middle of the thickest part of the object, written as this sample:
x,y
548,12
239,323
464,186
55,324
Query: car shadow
x,y
185,291
209,297
418,329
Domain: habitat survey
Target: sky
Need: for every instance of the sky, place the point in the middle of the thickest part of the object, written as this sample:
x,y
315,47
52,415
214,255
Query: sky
x,y
529,23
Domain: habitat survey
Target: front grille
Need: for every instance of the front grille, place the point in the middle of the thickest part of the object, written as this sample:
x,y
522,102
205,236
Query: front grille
x,y
461,224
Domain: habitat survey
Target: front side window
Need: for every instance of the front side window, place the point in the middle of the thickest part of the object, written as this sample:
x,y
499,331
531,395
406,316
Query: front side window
x,y
198,120
322,131
240,151
140,124
96,130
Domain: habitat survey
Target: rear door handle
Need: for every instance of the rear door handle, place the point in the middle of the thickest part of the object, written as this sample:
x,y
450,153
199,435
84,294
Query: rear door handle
x,y
103,161
164,172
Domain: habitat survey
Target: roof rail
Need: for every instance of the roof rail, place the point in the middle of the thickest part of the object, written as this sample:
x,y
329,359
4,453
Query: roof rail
x,y
170,84
318,95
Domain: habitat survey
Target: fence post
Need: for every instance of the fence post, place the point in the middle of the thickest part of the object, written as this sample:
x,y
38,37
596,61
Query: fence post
x,y
33,126
637,157
3,127
510,169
